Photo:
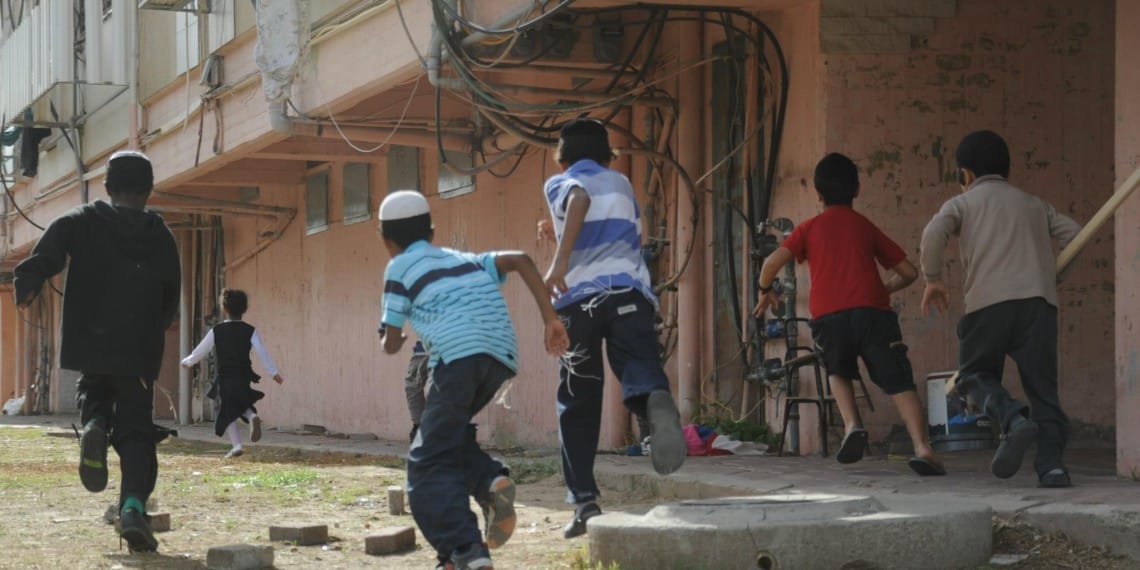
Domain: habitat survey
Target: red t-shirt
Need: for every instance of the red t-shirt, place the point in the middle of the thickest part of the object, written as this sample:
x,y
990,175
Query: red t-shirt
x,y
841,248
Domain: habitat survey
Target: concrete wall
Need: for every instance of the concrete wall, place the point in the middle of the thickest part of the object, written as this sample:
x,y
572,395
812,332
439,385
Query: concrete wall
x,y
1038,73
1128,242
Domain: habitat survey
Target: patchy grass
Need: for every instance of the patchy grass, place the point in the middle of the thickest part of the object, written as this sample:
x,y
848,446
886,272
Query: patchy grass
x,y
50,521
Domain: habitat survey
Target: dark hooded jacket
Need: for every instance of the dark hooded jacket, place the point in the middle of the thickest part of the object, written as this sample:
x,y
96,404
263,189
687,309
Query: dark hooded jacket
x,y
122,287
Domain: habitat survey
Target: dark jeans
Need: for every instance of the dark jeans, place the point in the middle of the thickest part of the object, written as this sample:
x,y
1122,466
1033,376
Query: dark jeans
x,y
445,464
1025,330
625,321
126,404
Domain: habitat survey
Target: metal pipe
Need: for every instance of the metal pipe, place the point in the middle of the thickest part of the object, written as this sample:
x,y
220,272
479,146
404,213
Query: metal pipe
x,y
690,295
93,40
184,337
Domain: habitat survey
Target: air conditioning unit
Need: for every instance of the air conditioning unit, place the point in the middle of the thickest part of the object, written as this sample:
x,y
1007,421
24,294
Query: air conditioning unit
x,y
195,6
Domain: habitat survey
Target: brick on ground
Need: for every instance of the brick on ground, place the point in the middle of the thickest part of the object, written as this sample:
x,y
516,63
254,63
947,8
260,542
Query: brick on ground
x,y
300,533
239,557
160,522
390,540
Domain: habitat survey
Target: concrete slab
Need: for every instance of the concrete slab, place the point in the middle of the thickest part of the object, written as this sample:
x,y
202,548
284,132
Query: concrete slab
x,y
1114,527
239,557
391,540
797,531
303,534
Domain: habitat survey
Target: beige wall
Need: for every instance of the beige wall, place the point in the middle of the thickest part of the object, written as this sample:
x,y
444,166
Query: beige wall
x,y
1127,223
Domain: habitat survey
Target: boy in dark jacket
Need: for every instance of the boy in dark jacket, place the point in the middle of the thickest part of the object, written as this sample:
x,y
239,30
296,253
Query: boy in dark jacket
x,y
122,291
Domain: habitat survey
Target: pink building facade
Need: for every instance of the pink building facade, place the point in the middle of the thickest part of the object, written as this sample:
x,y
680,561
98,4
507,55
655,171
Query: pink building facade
x,y
285,208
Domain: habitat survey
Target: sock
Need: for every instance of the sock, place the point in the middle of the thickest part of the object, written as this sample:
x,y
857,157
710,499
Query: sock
x,y
249,415
133,503
235,435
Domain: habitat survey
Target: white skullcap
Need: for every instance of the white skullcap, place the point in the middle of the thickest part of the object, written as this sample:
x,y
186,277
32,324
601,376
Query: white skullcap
x,y
129,153
402,205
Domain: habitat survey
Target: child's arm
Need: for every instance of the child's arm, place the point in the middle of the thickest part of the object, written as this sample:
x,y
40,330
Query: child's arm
x,y
557,340
201,350
768,272
392,338
947,222
47,259
902,275
270,366
577,204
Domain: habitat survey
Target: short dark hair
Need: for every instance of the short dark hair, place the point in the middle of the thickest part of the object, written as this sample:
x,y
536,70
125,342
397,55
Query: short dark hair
x,y
235,302
406,231
129,174
836,179
984,153
582,139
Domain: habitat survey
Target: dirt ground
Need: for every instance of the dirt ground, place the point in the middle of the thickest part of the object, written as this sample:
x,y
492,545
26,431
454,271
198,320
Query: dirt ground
x,y
1052,552
48,520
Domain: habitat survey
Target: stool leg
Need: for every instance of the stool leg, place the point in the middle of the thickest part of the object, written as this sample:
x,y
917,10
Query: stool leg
x,y
822,427
784,430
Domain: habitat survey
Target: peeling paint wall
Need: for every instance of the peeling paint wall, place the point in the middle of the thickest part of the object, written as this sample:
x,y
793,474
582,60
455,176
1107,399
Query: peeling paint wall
x,y
1039,73
1128,241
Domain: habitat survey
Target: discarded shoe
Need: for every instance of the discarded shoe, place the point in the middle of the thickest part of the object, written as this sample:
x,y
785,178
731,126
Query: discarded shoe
x,y
669,446
1055,479
853,446
1014,443
577,525
499,512
134,528
93,456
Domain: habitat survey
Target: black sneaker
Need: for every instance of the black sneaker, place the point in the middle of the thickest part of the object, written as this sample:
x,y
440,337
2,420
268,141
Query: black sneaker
x,y
471,557
577,525
134,528
1055,479
1014,443
93,456
669,446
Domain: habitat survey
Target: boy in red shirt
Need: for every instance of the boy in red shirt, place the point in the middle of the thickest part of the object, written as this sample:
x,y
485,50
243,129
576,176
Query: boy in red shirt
x,y
850,307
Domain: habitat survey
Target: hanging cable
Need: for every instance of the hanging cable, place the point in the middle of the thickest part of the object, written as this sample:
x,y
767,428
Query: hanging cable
x,y
455,15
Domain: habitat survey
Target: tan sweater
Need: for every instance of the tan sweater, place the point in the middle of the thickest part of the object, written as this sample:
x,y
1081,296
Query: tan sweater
x,y
1006,243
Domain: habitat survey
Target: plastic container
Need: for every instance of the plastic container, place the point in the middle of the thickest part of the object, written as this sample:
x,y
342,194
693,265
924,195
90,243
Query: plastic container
x,y
952,428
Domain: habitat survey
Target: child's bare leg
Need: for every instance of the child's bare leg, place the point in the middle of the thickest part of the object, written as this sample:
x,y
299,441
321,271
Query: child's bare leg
x,y
910,408
844,394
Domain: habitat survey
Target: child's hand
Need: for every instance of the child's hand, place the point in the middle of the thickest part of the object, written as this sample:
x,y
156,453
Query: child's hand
x,y
557,340
555,280
767,300
935,296
278,379
546,231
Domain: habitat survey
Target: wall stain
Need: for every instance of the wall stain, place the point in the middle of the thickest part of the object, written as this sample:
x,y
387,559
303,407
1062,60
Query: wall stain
x,y
960,104
884,158
953,62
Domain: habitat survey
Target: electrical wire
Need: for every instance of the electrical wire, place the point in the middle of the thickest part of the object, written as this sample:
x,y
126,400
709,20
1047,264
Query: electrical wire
x,y
399,123
455,15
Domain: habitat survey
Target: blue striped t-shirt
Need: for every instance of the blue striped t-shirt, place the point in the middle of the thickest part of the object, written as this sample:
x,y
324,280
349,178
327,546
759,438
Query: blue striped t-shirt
x,y
453,301
607,254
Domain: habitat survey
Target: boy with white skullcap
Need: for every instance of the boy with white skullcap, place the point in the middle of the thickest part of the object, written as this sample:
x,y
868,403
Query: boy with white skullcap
x,y
122,292
453,301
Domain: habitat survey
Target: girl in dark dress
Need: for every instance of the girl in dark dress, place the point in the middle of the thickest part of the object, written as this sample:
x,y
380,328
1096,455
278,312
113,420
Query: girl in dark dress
x,y
233,339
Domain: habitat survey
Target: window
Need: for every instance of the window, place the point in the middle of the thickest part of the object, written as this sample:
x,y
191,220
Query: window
x,y
357,186
317,202
452,184
403,168
186,42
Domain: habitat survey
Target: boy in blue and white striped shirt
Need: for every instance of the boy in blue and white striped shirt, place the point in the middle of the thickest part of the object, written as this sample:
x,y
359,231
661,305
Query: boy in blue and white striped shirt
x,y
453,301
603,293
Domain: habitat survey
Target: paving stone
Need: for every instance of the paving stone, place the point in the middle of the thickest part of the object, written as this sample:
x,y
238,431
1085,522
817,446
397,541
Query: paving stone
x,y
239,557
390,540
160,522
300,533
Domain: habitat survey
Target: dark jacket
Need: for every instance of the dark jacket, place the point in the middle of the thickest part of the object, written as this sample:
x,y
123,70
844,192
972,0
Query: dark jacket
x,y
122,287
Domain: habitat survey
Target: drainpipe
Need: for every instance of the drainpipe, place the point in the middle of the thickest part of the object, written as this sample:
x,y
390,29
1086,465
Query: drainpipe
x,y
184,335
690,293
435,57
93,45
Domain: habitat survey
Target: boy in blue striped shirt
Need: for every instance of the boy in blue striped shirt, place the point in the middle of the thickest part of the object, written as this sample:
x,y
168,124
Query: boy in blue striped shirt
x,y
602,291
453,301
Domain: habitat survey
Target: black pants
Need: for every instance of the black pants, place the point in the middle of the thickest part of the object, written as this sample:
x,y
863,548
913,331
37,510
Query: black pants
x,y
126,404
625,322
1025,330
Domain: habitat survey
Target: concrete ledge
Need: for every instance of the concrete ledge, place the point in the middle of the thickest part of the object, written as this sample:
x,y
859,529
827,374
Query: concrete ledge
x,y
641,478
239,557
1102,525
